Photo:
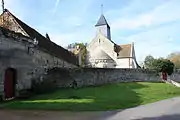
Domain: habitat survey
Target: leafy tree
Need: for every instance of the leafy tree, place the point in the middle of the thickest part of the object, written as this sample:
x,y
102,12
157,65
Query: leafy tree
x,y
79,47
159,64
148,62
163,65
175,58
83,50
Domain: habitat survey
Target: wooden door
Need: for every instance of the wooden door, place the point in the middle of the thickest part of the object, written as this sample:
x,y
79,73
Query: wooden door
x,y
9,83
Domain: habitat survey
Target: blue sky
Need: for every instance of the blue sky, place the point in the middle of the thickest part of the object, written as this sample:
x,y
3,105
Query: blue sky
x,y
153,25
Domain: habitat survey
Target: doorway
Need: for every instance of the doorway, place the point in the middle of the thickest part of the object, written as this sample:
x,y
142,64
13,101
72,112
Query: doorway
x,y
10,83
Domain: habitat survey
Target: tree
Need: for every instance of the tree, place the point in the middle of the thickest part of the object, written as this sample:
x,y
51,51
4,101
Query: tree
x,y
148,62
83,51
165,65
79,47
159,64
175,58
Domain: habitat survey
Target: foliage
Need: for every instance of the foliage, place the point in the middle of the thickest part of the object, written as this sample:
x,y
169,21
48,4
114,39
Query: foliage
x,y
83,50
106,97
159,64
175,58
163,65
148,62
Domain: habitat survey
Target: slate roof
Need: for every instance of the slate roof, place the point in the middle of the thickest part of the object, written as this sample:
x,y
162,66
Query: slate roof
x,y
102,21
46,44
125,51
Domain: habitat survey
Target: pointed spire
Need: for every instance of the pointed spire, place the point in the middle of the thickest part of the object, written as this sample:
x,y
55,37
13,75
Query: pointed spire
x,y
2,5
101,8
102,21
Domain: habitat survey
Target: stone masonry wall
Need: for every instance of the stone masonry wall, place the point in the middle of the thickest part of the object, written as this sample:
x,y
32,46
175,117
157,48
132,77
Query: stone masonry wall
x,y
175,76
30,63
99,76
86,77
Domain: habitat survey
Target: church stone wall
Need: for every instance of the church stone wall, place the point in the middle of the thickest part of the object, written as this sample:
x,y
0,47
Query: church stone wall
x,y
30,63
99,76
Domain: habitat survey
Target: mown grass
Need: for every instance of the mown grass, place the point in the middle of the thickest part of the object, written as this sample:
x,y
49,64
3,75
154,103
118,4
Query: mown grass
x,y
107,97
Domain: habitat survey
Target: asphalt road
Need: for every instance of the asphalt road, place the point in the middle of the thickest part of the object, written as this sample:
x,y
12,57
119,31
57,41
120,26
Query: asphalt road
x,y
162,110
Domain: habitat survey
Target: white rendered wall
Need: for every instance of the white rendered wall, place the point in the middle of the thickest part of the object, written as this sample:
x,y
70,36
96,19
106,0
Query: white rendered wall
x,y
104,30
123,63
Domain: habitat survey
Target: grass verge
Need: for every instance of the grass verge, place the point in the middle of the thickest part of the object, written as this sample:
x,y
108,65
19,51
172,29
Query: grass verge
x,y
107,97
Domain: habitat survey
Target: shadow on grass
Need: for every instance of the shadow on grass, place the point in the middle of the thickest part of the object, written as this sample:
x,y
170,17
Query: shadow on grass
x,y
107,97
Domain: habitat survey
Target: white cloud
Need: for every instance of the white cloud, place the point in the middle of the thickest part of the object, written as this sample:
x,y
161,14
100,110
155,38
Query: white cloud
x,y
158,42
73,21
163,13
63,39
133,23
55,6
160,37
67,38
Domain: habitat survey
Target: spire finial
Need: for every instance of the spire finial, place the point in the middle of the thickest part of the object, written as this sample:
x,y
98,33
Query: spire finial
x,y
3,5
101,8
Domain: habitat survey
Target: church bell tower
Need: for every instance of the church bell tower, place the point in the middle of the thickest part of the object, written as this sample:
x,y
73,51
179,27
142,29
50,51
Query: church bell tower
x,y
103,27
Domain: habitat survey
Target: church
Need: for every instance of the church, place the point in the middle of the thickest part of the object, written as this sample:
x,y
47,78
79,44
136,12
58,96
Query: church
x,y
102,52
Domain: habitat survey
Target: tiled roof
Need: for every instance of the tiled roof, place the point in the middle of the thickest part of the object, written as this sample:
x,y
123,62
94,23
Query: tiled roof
x,y
45,44
125,51
102,21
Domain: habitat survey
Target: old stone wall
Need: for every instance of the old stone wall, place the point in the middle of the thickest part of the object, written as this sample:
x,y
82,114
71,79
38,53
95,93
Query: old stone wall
x,y
99,76
175,76
88,76
29,61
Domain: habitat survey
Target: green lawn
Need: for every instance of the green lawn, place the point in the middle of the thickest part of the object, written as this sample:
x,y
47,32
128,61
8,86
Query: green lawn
x,y
108,97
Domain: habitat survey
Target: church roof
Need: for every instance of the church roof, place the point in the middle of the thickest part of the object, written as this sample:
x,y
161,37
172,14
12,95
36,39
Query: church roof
x,y
125,51
102,21
46,44
100,54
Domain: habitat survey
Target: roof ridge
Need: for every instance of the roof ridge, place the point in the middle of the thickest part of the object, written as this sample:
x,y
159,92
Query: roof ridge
x,y
126,44
6,10
18,20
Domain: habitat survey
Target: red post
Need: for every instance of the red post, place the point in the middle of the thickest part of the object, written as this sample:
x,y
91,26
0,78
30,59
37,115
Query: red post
x,y
164,75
